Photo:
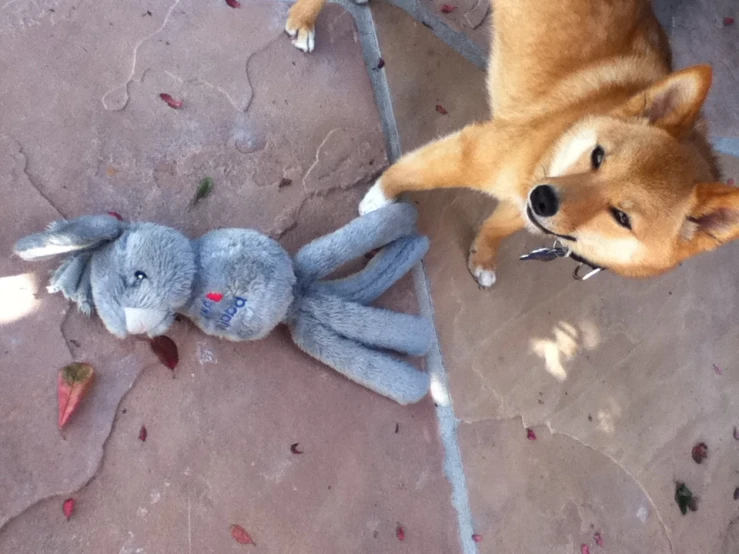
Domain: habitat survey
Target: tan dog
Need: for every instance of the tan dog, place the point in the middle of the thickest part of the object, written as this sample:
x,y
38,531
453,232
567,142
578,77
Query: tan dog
x,y
594,140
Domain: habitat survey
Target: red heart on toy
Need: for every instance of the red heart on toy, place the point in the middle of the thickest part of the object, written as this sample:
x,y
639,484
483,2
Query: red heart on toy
x,y
214,296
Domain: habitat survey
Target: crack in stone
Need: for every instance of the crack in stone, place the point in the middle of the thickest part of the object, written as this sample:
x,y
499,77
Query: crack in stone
x,y
133,65
627,472
318,156
31,180
252,95
289,219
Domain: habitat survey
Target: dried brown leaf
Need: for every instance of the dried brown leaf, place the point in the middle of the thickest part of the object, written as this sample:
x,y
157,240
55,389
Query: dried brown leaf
x,y
166,351
240,535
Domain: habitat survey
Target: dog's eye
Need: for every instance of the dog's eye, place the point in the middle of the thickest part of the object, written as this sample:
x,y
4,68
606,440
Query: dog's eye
x,y
597,156
139,275
621,218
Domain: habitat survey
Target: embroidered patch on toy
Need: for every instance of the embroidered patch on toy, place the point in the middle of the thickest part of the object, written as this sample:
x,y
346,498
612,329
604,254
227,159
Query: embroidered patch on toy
x,y
214,296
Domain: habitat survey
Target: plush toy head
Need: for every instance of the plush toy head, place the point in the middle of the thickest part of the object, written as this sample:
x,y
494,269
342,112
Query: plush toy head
x,y
143,273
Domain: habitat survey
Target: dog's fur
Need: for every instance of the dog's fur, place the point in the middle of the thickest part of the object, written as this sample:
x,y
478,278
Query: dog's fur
x,y
585,103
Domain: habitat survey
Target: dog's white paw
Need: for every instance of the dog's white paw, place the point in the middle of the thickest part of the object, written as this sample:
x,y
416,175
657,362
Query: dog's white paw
x,y
374,199
484,277
303,38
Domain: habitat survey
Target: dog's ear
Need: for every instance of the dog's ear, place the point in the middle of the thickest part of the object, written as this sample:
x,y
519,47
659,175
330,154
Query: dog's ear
x,y
713,220
675,102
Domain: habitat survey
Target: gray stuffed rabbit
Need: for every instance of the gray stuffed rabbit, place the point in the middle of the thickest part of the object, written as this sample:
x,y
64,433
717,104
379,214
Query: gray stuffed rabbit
x,y
239,285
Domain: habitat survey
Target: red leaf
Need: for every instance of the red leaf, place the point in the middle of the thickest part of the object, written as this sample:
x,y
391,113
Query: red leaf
x,y
214,296
143,434
400,533
166,351
240,535
68,507
728,21
598,539
530,434
233,3
717,369
171,102
477,538
699,452
446,8
294,448
584,549
441,110
73,382
116,215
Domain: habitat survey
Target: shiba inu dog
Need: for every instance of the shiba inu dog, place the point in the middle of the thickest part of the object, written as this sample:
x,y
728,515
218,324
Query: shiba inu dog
x,y
594,140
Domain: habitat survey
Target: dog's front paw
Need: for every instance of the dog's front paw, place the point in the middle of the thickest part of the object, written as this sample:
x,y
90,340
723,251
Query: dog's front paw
x,y
302,31
482,270
374,199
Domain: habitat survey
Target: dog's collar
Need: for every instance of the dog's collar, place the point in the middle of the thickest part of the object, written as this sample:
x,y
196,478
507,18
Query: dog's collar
x,y
558,250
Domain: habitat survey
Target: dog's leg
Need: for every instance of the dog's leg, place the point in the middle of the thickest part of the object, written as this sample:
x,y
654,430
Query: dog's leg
x,y
505,220
445,163
480,157
301,23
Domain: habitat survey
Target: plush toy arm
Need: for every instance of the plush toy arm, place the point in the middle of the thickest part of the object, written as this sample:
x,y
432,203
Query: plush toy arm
x,y
373,327
63,237
366,233
72,279
385,269
372,369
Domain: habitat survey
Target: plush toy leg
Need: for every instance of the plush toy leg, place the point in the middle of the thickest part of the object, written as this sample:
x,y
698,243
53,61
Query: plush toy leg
x,y
373,327
374,230
372,369
385,269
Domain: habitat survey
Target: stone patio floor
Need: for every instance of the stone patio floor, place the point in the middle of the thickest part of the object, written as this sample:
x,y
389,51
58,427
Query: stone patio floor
x,y
617,378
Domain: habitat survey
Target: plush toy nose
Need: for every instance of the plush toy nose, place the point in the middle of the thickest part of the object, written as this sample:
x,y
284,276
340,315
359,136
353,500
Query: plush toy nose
x,y
544,201
142,320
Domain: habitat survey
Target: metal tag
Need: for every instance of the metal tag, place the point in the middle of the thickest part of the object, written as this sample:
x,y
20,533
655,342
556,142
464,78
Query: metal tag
x,y
547,254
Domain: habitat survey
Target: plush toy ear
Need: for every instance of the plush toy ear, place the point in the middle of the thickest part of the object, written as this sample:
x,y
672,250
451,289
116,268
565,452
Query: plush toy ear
x,y
714,219
675,102
63,237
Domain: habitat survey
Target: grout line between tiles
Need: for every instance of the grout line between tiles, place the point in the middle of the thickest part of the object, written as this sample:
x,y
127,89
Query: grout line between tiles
x,y
447,421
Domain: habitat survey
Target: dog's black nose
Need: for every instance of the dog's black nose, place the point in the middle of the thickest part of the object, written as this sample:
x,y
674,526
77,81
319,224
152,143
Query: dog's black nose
x,y
544,201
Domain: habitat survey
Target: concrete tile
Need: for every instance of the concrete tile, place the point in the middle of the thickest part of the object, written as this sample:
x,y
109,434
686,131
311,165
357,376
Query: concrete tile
x,y
422,72
88,132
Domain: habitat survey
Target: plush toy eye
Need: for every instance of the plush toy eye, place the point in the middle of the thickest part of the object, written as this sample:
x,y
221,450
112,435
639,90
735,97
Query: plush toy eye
x,y
621,218
597,156
139,275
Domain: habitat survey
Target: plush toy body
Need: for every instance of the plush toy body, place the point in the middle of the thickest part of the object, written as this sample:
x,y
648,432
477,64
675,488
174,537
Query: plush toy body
x,y
239,284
